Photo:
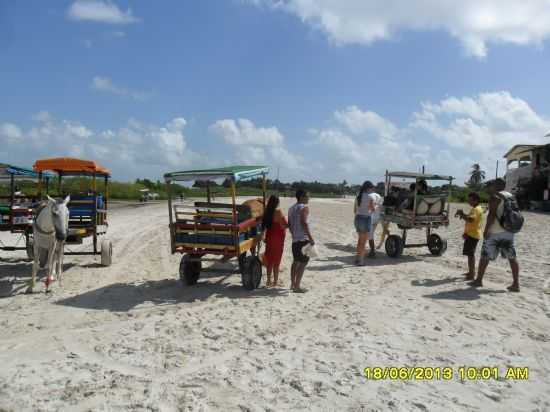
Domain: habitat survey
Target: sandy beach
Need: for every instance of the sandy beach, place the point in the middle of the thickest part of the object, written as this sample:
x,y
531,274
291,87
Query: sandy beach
x,y
131,337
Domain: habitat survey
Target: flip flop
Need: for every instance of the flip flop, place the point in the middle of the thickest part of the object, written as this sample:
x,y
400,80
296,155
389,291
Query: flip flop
x,y
513,288
299,290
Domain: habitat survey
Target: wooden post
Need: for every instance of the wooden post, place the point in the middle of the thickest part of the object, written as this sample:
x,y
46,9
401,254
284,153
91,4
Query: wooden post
x,y
106,194
414,203
39,193
208,191
170,216
12,191
496,173
264,188
234,200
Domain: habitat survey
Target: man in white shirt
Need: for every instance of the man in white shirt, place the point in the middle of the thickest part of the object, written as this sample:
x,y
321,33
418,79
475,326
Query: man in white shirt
x,y
375,214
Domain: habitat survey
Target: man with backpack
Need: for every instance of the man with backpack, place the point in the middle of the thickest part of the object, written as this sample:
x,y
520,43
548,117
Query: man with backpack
x,y
503,221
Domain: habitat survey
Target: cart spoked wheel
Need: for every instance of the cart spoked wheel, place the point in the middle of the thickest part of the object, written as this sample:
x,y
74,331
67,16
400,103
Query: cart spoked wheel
x,y
190,269
106,252
242,262
29,246
394,246
437,244
252,273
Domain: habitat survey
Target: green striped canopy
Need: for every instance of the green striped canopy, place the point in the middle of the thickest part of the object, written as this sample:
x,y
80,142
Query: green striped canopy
x,y
234,173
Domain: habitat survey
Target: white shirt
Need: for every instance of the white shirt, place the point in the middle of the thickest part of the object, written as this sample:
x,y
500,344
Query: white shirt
x,y
377,203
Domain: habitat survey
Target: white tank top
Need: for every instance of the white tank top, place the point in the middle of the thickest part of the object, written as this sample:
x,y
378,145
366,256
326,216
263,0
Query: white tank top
x,y
496,227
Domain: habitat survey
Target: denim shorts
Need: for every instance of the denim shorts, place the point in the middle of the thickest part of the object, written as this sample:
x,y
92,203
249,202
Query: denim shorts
x,y
499,243
363,224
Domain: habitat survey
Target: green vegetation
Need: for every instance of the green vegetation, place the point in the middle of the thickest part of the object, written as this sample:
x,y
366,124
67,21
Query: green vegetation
x,y
131,191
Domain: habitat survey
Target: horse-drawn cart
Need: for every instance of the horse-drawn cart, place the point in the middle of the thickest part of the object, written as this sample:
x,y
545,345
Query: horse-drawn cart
x,y
224,229
424,211
16,207
87,206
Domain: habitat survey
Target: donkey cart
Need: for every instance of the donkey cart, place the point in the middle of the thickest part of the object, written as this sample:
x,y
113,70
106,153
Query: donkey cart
x,y
224,229
424,211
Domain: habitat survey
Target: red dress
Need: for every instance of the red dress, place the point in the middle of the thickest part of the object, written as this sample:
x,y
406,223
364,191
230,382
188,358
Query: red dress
x,y
275,241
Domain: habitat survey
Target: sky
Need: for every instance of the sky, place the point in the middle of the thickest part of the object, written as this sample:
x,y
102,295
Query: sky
x,y
326,90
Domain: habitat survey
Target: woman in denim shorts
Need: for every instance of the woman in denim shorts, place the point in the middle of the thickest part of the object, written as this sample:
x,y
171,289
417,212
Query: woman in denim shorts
x,y
363,220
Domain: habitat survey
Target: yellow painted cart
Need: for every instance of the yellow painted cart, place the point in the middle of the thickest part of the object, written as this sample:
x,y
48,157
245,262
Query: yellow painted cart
x,y
209,228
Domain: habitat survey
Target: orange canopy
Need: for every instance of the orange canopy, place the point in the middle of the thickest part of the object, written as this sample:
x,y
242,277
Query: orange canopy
x,y
68,165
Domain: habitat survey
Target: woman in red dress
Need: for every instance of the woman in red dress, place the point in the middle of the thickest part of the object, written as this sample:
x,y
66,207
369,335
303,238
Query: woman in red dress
x,y
275,225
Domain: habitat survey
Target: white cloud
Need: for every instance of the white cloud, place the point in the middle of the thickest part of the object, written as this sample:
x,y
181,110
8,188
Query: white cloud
x,y
243,132
446,137
488,122
9,132
106,85
475,23
359,122
258,145
133,150
100,11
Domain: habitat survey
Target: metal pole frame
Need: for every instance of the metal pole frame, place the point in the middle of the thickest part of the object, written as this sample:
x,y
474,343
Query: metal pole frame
x,y
170,216
234,201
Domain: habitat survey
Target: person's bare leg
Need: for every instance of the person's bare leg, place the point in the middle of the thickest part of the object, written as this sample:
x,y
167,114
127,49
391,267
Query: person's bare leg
x,y
361,243
372,252
483,263
269,271
301,267
514,287
293,274
275,275
471,268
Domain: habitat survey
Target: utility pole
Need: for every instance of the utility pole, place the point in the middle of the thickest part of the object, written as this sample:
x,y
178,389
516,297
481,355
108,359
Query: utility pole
x,y
496,172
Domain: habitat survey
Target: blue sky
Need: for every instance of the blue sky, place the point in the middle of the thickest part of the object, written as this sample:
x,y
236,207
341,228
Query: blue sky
x,y
321,89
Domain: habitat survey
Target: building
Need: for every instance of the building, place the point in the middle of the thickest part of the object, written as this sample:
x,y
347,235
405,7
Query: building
x,y
528,171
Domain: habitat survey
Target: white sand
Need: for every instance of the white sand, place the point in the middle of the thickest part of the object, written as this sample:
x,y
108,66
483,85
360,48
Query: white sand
x,y
131,337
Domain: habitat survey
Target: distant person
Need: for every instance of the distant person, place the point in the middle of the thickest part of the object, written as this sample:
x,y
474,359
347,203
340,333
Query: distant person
x,y
363,209
472,232
275,225
496,239
301,236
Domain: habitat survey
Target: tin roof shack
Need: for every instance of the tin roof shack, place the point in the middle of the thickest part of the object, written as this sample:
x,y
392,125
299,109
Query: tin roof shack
x,y
528,171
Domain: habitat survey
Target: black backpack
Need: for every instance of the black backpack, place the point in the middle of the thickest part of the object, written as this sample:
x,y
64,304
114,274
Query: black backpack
x,y
511,220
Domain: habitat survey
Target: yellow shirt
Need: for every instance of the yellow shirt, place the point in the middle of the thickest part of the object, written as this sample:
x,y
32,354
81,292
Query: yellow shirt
x,y
473,228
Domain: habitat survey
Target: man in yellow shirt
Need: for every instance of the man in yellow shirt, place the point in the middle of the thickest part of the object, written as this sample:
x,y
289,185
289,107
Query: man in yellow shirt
x,y
472,232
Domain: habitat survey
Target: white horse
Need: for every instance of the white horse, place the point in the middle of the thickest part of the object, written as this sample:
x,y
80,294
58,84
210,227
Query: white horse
x,y
50,229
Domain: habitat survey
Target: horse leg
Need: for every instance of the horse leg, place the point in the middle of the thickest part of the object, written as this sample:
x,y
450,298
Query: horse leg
x,y
51,262
60,261
34,268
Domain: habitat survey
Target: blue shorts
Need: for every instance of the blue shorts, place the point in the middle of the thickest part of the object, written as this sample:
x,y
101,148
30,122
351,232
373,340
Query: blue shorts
x,y
499,243
363,224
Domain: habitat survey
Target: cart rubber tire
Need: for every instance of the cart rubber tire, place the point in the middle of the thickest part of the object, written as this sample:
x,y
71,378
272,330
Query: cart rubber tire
x,y
252,273
190,270
437,244
29,246
394,246
106,252
242,262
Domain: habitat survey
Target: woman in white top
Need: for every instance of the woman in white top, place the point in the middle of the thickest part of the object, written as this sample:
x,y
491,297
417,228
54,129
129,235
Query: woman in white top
x,y
363,209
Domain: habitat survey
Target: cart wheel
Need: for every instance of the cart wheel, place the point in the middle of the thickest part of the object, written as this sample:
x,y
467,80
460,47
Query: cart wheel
x,y
106,252
30,248
252,273
437,244
394,246
190,269
242,262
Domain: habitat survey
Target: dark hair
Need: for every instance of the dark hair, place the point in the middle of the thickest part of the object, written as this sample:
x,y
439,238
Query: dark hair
x,y
300,193
366,186
499,184
272,204
475,196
